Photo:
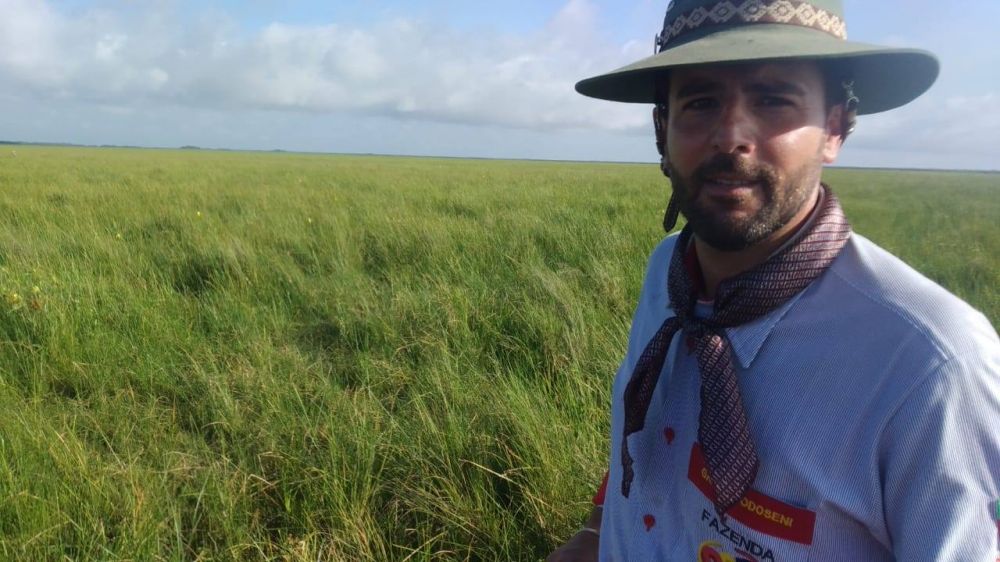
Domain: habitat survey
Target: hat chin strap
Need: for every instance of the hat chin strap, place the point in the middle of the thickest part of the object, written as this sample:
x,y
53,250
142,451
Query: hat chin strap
x,y
670,217
673,211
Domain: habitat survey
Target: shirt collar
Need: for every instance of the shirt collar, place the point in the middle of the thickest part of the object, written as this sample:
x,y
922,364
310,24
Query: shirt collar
x,y
747,339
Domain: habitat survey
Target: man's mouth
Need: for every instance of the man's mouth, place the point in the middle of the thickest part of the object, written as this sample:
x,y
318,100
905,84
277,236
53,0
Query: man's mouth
x,y
730,182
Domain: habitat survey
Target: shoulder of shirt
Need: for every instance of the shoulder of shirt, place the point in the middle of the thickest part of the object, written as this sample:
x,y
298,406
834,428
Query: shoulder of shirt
x,y
899,293
665,247
659,264
659,259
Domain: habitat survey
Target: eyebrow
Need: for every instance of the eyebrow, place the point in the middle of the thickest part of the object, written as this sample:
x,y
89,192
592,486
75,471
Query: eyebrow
x,y
771,87
776,87
698,87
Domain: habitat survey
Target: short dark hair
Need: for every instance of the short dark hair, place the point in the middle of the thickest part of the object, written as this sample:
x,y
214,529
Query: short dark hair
x,y
836,75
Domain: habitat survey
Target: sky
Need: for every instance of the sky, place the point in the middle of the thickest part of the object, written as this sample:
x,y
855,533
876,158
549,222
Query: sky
x,y
432,77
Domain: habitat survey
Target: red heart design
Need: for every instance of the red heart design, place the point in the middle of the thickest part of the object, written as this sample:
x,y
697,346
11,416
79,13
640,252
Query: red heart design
x,y
650,522
670,435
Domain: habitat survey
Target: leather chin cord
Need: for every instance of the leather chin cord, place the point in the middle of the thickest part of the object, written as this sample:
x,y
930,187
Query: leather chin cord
x,y
849,121
673,211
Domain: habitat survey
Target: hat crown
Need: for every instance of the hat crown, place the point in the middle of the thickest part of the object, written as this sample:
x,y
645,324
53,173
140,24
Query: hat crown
x,y
684,16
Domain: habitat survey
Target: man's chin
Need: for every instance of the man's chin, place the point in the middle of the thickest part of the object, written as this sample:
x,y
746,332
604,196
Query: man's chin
x,y
726,242
730,236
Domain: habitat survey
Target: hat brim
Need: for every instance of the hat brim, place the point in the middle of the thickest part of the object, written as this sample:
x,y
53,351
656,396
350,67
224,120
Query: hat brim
x,y
884,78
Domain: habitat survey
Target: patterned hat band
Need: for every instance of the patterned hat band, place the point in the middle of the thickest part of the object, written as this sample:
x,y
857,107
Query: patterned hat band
x,y
791,12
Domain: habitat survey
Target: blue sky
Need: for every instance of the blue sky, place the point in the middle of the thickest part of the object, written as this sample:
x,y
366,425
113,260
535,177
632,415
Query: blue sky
x,y
435,77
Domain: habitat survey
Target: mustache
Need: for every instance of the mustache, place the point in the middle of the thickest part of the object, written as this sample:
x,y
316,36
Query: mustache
x,y
731,164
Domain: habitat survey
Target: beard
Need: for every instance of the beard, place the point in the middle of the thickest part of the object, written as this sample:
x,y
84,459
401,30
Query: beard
x,y
782,198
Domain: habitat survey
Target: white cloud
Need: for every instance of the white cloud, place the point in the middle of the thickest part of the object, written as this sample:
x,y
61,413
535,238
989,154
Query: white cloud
x,y
109,46
410,69
29,49
127,74
965,128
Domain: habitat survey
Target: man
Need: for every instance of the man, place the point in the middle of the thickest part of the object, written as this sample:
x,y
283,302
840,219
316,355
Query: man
x,y
790,390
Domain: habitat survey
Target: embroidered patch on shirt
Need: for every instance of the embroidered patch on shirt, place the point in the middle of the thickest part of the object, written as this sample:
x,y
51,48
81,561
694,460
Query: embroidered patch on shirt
x,y
713,551
757,511
745,548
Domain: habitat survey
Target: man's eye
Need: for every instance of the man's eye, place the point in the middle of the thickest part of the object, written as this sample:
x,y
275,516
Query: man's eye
x,y
700,104
773,101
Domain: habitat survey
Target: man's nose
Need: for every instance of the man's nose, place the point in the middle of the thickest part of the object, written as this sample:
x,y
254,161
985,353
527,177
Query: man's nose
x,y
735,129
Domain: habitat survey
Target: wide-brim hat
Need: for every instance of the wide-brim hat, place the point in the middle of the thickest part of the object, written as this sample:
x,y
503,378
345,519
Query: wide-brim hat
x,y
700,32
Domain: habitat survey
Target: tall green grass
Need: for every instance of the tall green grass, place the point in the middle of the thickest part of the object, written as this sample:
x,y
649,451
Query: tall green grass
x,y
224,356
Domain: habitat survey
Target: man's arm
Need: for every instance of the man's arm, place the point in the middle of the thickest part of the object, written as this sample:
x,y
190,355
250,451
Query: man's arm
x,y
583,546
941,464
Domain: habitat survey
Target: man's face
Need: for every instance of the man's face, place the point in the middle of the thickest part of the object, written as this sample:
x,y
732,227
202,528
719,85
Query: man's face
x,y
746,145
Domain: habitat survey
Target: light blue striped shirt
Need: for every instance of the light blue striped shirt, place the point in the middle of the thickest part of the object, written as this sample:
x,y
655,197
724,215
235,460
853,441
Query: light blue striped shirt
x,y
873,398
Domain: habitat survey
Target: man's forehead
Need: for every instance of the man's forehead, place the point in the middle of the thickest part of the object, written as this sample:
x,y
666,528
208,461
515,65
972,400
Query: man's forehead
x,y
804,73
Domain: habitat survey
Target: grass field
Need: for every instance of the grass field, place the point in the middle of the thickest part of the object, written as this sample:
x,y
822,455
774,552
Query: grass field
x,y
231,356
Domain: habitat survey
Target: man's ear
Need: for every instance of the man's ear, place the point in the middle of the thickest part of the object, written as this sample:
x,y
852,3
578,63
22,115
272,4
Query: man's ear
x,y
839,124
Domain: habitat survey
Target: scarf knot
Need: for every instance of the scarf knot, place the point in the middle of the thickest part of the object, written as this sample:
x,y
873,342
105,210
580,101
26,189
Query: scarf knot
x,y
699,328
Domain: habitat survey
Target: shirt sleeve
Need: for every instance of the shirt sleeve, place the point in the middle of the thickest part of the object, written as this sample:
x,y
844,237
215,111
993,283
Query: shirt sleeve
x,y
601,491
940,463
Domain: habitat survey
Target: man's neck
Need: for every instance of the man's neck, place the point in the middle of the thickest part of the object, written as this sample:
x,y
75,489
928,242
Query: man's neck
x,y
717,265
